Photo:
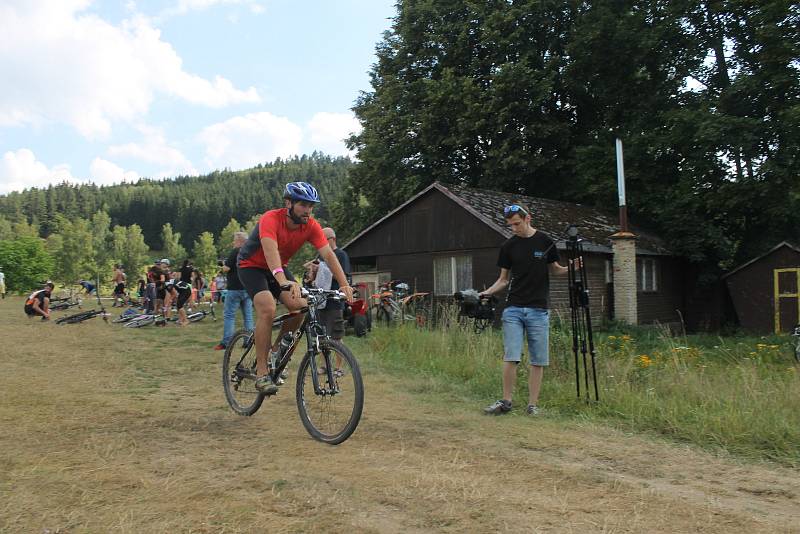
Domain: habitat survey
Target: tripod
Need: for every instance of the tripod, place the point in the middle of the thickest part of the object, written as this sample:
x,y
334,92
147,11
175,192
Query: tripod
x,y
582,340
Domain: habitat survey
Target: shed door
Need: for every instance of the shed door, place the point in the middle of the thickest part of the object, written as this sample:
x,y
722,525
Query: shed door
x,y
787,299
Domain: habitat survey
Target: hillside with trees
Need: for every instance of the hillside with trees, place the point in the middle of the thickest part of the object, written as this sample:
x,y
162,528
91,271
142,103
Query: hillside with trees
x,y
191,205
67,232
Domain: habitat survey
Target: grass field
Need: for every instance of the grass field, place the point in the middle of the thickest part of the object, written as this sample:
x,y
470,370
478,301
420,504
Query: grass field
x,y
110,429
740,395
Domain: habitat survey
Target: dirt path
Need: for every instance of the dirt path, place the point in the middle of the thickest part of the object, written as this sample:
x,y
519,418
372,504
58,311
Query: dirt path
x,y
137,442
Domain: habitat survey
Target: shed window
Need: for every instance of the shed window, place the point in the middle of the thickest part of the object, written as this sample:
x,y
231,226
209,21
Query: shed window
x,y
648,275
609,272
451,274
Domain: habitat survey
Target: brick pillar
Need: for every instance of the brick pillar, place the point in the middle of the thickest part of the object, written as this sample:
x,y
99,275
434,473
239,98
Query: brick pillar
x,y
624,246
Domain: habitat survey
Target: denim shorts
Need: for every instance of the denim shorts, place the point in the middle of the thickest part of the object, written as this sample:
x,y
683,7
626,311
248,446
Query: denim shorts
x,y
533,323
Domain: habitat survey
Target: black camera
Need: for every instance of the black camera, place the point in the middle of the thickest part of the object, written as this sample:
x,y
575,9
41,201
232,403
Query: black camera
x,y
474,306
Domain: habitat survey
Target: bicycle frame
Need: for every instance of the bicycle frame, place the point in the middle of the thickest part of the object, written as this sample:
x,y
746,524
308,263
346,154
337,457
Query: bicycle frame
x,y
315,338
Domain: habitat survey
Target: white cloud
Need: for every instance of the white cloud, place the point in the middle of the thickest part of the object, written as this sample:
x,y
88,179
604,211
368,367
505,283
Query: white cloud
x,y
185,6
245,141
155,149
104,172
328,131
20,169
62,64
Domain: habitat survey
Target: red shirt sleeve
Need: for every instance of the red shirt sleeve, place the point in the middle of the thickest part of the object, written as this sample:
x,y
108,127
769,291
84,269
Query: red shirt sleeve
x,y
316,236
268,227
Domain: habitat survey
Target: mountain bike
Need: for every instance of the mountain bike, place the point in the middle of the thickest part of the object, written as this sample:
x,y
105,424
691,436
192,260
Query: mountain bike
x,y
61,305
395,304
83,316
329,390
126,316
145,319
66,300
199,315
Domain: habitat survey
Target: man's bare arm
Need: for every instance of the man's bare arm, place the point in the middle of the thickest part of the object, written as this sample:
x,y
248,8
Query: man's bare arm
x,y
499,285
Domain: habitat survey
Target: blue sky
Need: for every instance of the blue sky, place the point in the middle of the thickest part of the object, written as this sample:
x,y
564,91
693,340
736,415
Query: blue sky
x,y
110,91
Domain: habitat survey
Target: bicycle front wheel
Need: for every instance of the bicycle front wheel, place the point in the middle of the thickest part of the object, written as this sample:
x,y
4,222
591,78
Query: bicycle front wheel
x,y
331,413
239,374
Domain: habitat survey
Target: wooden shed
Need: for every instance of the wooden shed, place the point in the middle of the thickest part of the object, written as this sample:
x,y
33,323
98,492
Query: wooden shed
x,y
447,238
766,290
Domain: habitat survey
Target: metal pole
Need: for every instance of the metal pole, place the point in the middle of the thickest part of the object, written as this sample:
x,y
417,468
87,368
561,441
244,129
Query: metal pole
x,y
623,209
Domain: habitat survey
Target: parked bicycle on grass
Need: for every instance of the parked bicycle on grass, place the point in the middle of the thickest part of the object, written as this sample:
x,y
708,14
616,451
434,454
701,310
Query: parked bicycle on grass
x,y
329,390
395,303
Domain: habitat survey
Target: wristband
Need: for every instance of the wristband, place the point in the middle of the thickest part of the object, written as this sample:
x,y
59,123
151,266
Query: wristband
x,y
276,271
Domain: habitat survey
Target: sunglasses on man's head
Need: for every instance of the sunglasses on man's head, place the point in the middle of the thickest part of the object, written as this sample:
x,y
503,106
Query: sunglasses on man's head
x,y
514,208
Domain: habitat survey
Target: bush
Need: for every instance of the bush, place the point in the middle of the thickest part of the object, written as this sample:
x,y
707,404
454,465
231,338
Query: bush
x,y
25,263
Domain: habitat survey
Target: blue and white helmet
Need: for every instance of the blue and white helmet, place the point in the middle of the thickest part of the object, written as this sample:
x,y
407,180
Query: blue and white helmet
x,y
301,191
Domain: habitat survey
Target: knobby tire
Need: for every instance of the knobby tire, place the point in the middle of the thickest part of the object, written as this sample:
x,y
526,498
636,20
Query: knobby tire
x,y
330,418
239,374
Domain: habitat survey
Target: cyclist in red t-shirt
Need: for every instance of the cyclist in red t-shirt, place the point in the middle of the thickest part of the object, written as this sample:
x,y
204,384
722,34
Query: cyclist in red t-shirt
x,y
262,266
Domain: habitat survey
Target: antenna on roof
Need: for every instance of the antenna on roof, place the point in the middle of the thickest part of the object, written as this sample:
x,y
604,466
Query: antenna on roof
x,y
623,209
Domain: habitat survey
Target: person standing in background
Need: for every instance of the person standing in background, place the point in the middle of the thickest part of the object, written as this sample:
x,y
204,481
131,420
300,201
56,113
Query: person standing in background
x,y
236,297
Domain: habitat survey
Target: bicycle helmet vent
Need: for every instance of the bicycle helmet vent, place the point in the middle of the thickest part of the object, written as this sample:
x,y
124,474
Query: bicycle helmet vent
x,y
301,191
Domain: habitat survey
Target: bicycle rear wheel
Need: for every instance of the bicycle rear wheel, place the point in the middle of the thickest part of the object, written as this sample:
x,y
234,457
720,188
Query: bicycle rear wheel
x,y
332,414
239,374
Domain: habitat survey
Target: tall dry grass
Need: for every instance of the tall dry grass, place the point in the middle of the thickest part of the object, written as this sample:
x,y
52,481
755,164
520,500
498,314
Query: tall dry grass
x,y
738,394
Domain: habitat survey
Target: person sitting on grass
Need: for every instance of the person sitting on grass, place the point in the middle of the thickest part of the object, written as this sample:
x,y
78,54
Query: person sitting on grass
x,y
38,302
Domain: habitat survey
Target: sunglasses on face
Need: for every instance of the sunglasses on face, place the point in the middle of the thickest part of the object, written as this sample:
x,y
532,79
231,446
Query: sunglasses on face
x,y
514,208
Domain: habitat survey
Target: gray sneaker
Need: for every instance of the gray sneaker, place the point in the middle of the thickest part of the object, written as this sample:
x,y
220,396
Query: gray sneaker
x,y
532,410
265,385
499,407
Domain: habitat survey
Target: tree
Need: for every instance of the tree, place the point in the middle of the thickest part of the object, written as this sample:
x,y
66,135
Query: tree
x,y
101,243
130,248
25,263
72,250
226,236
6,230
171,243
205,253
528,97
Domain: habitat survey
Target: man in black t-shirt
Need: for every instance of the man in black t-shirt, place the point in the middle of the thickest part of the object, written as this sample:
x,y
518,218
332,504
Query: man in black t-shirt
x,y
236,296
526,261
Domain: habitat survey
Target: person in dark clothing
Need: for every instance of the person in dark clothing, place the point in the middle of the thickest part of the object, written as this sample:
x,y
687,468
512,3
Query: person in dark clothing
x,y
526,261
38,302
236,296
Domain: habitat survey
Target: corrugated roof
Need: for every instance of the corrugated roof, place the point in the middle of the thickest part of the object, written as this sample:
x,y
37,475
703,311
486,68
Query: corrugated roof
x,y
550,216
553,217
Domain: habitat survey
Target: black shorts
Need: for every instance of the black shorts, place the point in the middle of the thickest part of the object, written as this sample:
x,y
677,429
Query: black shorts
x,y
183,297
120,289
257,280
